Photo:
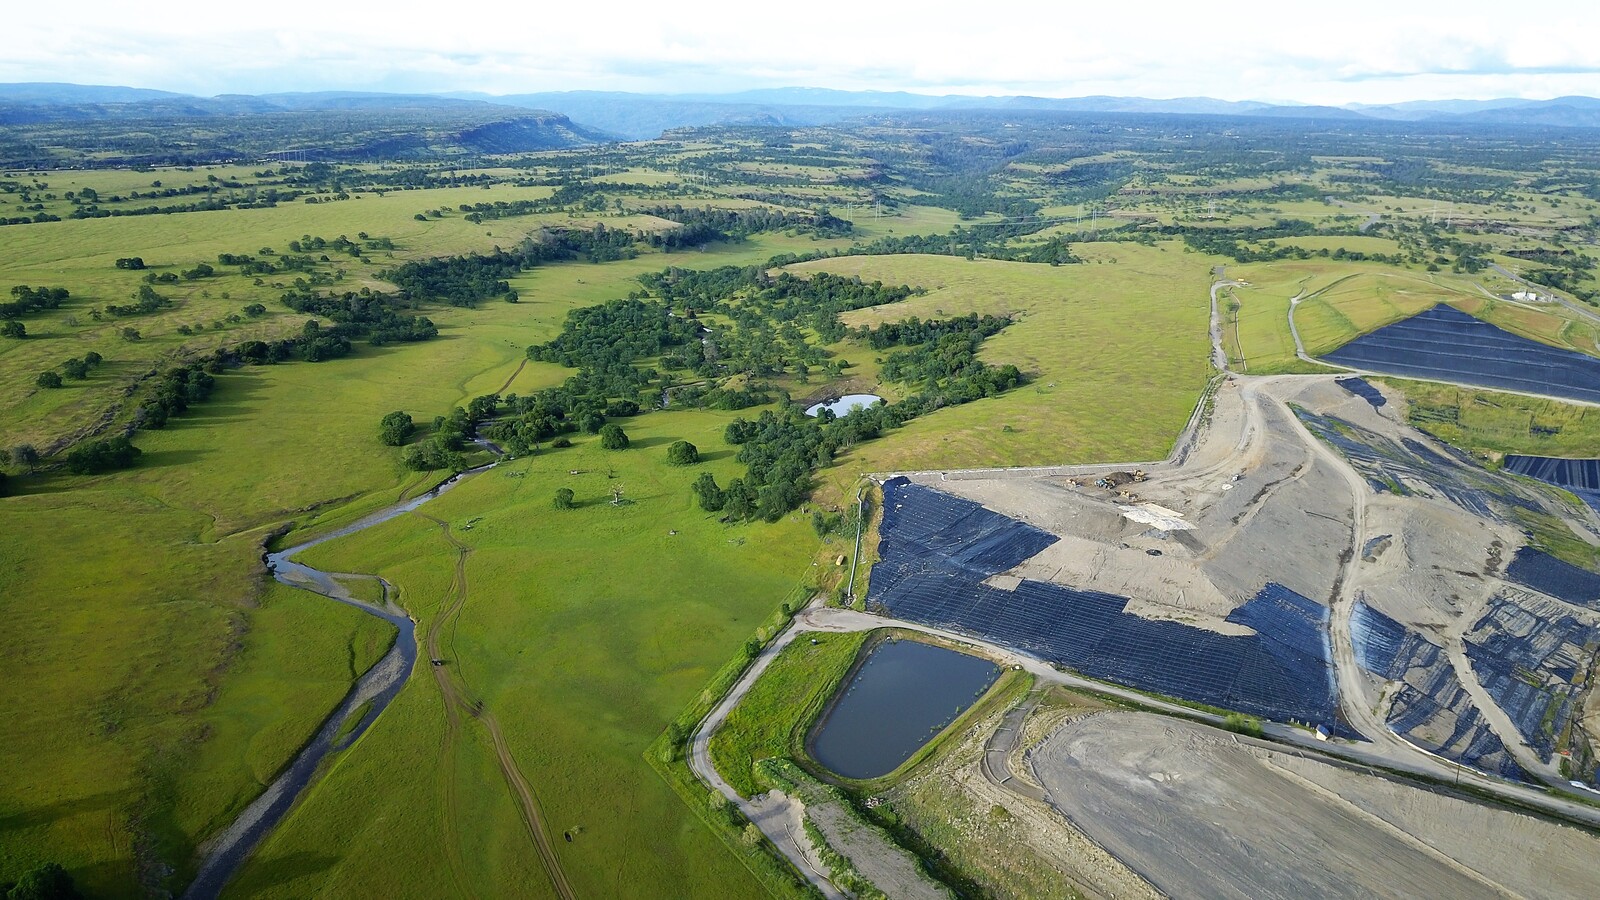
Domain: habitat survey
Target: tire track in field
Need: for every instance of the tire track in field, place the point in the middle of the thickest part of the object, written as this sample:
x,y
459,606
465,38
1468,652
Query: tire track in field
x,y
520,367
457,698
450,755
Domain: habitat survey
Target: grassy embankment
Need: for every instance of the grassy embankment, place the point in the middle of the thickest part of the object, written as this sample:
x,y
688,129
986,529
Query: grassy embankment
x,y
982,843
1490,424
770,725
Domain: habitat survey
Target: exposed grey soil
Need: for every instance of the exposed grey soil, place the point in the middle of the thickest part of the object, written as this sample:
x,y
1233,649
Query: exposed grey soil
x,y
1201,813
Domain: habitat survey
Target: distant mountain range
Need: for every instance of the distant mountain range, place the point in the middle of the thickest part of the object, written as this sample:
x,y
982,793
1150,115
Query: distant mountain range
x,y
640,116
46,124
611,115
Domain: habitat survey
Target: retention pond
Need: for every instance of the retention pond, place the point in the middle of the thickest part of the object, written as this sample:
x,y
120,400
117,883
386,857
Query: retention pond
x,y
845,405
903,694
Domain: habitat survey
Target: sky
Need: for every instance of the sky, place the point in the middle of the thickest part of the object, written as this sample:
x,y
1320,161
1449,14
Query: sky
x,y
1351,51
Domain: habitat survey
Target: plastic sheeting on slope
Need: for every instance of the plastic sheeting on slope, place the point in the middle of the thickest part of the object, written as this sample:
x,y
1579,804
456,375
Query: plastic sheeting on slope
x,y
1446,344
937,550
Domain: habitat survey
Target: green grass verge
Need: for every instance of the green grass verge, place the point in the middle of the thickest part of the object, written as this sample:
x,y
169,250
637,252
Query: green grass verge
x,y
774,716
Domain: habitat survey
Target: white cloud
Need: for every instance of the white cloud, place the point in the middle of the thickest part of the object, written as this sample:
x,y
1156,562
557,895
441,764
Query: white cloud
x,y
1361,50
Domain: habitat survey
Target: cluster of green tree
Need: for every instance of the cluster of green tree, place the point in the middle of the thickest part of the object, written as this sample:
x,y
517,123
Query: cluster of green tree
x,y
1247,244
782,449
984,239
442,448
605,343
1563,270
146,301
478,213
251,200
177,388
1084,182
703,225
756,300
74,368
93,457
364,313
725,397
549,415
255,265
340,244
28,300
313,344
38,218
1569,280
48,881
465,280
130,262
942,358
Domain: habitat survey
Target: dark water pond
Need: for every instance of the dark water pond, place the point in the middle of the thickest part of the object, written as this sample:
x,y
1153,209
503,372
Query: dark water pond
x,y
903,694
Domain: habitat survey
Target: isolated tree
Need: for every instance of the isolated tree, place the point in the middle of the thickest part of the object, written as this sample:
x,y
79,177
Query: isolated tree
x,y
24,457
48,380
93,359
563,499
255,310
13,329
75,368
612,437
131,334
683,453
395,428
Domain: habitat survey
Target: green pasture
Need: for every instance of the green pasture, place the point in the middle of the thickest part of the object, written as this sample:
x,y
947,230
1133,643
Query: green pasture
x,y
154,688
584,632
156,597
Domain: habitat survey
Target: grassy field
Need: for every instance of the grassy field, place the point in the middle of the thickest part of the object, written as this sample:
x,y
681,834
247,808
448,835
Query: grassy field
x,y
150,651
167,691
1115,352
585,632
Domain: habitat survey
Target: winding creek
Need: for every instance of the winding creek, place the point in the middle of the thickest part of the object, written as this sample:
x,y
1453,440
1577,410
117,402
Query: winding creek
x,y
380,685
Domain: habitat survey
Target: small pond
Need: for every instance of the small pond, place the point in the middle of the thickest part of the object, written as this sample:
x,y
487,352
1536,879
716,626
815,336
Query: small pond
x,y
903,694
844,405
